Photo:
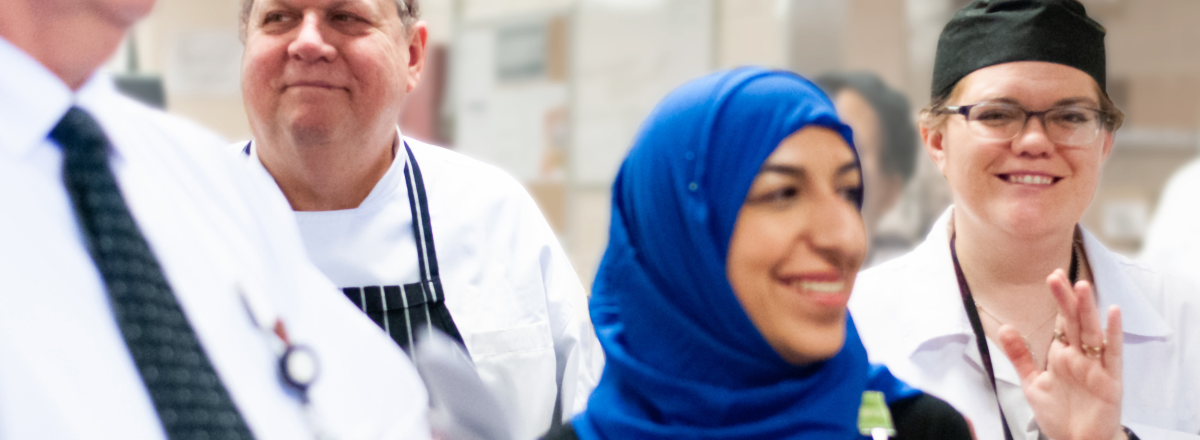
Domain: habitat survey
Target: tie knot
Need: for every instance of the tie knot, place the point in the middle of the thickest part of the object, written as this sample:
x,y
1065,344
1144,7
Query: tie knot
x,y
78,132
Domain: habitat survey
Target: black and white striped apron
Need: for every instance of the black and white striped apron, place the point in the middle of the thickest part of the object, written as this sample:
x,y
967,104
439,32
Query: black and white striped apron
x,y
402,311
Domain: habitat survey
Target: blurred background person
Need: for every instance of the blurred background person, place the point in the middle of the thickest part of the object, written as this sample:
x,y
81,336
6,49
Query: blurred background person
x,y
1020,129
148,288
1173,236
721,300
886,139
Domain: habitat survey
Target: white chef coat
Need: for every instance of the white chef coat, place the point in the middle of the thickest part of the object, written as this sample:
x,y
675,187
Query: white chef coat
x,y
909,313
1172,241
65,372
508,284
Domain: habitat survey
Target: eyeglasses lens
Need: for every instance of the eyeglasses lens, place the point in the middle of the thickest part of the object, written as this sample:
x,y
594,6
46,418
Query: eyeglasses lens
x,y
1063,125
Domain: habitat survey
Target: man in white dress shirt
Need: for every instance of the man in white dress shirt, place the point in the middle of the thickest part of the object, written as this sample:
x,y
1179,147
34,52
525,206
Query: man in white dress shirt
x,y
117,222
416,235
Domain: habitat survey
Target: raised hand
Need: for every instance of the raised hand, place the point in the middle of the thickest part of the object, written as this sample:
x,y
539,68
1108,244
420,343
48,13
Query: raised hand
x,y
1078,396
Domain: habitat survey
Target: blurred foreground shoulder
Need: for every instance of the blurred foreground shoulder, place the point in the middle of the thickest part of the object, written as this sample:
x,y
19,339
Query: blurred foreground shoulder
x,y
924,417
565,431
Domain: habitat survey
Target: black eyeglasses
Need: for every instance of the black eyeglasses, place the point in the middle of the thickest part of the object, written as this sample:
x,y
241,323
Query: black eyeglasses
x,y
1067,125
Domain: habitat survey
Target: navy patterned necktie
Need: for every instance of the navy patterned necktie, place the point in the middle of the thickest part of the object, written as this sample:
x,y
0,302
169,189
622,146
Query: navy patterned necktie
x,y
187,393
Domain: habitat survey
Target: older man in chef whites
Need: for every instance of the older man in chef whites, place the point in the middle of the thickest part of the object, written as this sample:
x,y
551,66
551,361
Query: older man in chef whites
x,y
416,236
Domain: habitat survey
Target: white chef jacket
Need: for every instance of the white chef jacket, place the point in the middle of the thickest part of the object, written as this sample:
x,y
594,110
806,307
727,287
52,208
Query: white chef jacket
x,y
508,284
909,313
1172,241
65,372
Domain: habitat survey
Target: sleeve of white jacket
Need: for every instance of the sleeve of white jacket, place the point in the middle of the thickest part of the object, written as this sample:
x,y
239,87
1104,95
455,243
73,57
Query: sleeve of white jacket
x,y
576,349
367,388
577,352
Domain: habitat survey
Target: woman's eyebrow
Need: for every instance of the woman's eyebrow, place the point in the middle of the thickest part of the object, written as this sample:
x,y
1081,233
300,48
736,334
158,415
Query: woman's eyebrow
x,y
1072,101
1000,100
1060,103
789,170
795,171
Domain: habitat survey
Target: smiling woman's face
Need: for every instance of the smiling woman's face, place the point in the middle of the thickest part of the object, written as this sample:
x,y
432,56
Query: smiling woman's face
x,y
798,243
1028,186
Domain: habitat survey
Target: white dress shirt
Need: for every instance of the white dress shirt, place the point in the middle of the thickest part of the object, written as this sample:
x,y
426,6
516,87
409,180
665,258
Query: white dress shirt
x,y
229,252
509,287
909,313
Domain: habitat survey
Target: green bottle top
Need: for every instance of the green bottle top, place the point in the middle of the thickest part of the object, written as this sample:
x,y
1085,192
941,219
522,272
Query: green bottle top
x,y
874,419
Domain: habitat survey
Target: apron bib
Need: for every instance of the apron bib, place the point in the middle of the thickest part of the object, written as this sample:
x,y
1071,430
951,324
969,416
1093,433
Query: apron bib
x,y
403,311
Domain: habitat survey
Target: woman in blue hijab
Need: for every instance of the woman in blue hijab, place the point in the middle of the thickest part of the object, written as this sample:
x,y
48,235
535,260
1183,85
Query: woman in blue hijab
x,y
721,299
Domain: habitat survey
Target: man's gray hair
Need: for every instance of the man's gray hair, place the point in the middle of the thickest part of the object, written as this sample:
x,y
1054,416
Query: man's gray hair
x,y
409,10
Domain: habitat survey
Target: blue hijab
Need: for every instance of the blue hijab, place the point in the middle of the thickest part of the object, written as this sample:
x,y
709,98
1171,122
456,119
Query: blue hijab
x,y
683,358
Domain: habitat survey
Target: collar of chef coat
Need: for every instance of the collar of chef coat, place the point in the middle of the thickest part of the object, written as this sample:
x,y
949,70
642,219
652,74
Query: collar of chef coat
x,y
379,195
939,296
942,297
35,100
1114,286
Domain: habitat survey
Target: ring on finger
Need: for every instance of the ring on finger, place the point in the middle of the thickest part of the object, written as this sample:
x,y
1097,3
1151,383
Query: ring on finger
x,y
1091,351
1061,337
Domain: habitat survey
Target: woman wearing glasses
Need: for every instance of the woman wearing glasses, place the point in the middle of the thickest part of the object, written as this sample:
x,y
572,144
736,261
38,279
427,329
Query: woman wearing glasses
x,y
1019,125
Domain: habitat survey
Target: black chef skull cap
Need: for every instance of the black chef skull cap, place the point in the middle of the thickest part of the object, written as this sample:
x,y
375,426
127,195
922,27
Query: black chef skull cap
x,y
990,32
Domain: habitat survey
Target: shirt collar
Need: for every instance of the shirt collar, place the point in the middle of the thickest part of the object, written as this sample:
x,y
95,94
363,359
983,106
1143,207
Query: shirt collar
x,y
941,299
389,183
938,306
383,189
941,317
35,99
1114,287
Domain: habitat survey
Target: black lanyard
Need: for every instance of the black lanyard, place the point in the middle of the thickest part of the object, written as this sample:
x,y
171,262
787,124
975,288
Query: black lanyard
x,y
977,325
402,311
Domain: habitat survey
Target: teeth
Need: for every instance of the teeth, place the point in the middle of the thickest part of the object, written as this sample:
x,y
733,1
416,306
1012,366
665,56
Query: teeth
x,y
821,286
1030,179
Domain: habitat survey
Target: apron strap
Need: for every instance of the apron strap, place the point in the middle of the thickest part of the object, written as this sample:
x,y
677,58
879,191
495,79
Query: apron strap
x,y
430,307
418,203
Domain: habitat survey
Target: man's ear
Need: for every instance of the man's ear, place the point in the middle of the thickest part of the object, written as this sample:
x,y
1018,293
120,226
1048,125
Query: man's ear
x,y
418,36
935,146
